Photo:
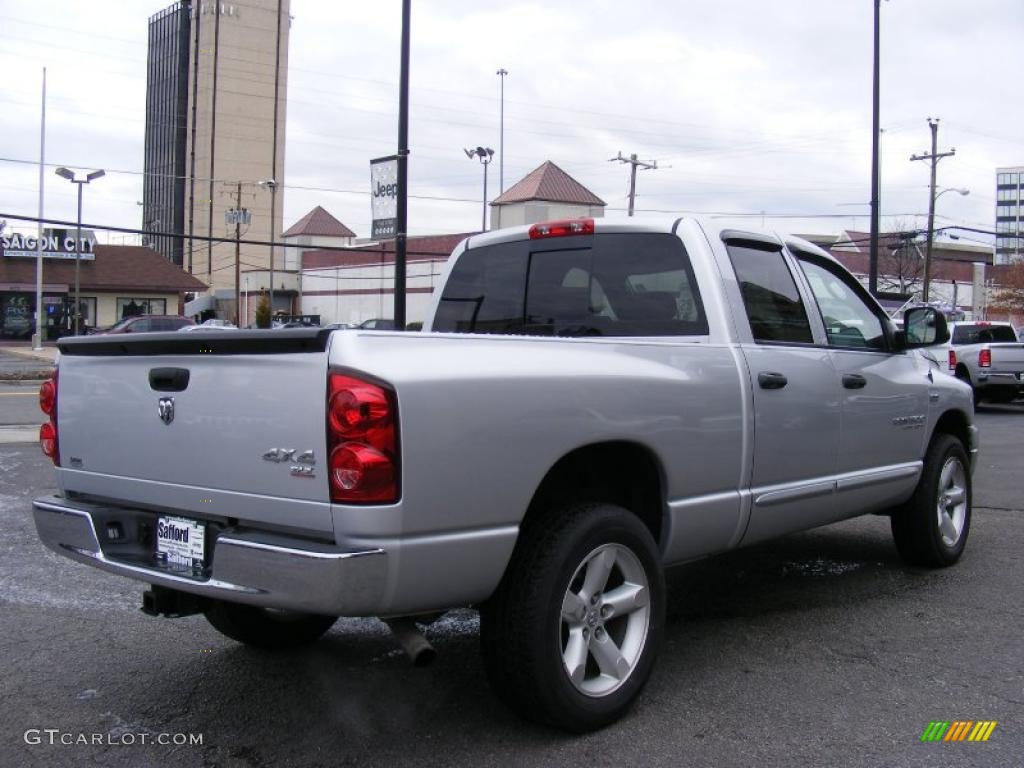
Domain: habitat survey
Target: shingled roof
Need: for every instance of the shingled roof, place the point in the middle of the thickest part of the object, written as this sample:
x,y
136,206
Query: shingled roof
x,y
318,222
550,184
116,268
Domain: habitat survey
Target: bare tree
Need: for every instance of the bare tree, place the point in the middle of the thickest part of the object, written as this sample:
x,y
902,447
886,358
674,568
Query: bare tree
x,y
901,260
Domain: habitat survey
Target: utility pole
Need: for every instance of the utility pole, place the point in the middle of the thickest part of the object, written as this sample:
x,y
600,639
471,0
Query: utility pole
x,y
934,156
238,216
633,162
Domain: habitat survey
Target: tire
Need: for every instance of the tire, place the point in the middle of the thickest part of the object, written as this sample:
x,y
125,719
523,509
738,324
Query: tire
x,y
931,529
585,591
267,628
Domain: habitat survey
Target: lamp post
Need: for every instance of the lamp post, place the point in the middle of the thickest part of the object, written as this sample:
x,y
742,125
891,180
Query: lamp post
x,y
501,133
926,285
70,176
486,154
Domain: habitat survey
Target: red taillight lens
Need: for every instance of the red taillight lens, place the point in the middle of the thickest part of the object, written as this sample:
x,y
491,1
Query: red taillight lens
x,y
360,472
952,360
362,441
48,440
985,358
47,396
356,407
562,228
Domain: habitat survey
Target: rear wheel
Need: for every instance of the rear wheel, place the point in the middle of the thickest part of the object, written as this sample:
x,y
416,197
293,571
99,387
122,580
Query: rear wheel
x,y
931,529
267,628
570,637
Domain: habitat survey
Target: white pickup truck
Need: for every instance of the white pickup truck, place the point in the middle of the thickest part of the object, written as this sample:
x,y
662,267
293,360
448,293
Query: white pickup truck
x,y
589,403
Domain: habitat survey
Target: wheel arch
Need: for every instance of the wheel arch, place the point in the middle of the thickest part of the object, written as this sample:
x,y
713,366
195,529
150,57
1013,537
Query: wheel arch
x,y
620,472
955,423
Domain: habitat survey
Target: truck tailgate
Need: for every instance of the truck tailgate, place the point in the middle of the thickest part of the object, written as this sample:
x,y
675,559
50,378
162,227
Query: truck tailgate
x,y
193,422
1007,358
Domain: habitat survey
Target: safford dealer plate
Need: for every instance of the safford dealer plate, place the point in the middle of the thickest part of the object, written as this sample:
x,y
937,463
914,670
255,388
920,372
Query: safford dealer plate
x,y
180,543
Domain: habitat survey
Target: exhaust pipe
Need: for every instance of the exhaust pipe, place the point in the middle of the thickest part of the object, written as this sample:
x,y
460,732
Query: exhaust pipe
x,y
419,650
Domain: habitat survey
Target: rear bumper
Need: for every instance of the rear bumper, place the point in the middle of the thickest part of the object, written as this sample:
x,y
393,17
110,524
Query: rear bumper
x,y
998,383
260,569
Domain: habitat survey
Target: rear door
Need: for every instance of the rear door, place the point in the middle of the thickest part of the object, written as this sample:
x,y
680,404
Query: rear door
x,y
797,407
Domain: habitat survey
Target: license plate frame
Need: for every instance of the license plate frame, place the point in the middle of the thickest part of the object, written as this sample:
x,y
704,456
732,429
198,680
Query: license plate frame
x,y
180,543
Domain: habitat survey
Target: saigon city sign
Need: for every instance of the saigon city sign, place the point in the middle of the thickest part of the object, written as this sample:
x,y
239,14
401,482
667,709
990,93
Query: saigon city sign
x,y
56,244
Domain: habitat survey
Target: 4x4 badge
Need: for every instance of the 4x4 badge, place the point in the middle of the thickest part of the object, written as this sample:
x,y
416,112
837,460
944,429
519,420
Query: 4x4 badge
x,y
165,407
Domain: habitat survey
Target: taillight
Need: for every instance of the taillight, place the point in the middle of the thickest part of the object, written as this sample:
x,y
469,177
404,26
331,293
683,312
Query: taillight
x,y
985,358
362,441
952,360
563,228
48,438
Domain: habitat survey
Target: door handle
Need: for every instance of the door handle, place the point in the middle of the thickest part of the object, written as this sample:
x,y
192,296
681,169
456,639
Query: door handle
x,y
168,379
854,381
771,380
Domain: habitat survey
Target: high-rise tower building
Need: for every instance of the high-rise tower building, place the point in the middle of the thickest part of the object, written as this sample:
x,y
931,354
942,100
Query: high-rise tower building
x,y
231,131
1009,215
163,190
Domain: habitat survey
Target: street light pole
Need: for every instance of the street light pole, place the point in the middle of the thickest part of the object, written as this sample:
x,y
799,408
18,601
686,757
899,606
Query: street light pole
x,y
931,232
64,173
501,138
875,175
486,154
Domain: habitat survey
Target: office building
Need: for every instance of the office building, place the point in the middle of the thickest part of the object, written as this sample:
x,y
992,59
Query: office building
x,y
226,62
1009,215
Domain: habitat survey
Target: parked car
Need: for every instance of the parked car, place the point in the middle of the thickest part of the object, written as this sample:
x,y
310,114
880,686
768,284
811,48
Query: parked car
x,y
589,403
147,324
213,324
377,324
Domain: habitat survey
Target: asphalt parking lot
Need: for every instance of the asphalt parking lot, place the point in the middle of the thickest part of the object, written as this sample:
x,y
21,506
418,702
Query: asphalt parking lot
x,y
818,649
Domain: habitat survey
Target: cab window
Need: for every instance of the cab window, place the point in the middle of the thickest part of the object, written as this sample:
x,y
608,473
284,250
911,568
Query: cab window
x,y
850,323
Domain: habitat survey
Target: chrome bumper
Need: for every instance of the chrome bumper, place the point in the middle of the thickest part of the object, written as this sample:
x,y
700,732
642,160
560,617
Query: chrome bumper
x,y
259,569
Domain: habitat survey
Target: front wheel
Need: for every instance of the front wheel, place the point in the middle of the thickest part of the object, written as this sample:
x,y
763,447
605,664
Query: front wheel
x,y
931,529
570,637
267,628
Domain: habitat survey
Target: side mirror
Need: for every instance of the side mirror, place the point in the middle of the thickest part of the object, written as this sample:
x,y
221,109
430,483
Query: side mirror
x,y
924,327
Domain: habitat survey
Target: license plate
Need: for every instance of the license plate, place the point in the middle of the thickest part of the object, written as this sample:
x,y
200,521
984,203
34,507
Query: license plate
x,y
180,542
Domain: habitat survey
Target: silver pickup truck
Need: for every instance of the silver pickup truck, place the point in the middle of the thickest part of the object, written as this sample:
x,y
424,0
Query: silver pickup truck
x,y
589,403
989,358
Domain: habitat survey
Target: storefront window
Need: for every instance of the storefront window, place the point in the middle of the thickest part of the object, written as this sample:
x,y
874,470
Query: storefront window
x,y
17,315
131,307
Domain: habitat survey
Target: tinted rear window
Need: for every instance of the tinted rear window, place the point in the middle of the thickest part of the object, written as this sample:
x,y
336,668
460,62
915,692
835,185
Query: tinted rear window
x,y
774,307
607,285
983,334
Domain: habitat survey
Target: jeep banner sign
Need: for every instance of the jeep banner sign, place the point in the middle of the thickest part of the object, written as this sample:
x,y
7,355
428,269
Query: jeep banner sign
x,y
384,196
56,244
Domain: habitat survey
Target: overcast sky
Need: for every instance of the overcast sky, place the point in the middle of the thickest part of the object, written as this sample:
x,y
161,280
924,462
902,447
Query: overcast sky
x,y
747,107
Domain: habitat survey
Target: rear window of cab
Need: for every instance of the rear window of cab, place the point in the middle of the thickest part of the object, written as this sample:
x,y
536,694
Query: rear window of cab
x,y
602,285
